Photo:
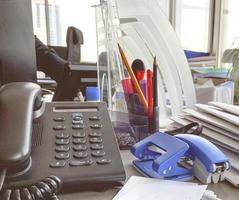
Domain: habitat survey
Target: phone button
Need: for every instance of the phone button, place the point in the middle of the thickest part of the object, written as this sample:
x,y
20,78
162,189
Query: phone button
x,y
75,163
80,154
80,147
97,146
76,115
62,156
75,122
59,119
59,127
79,135
62,148
95,134
94,118
78,126
104,161
58,164
62,135
95,140
79,141
62,141
98,153
96,126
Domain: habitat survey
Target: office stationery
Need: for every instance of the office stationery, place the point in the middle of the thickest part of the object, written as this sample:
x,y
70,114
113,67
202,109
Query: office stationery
x,y
71,140
141,188
215,121
134,80
150,99
209,163
138,69
155,164
220,114
226,107
155,96
211,127
212,134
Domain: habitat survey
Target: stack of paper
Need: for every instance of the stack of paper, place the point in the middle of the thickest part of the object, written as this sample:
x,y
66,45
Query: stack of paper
x,y
140,188
220,126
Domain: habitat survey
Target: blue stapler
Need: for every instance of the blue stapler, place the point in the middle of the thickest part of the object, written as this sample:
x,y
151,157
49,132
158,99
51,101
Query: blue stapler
x,y
179,157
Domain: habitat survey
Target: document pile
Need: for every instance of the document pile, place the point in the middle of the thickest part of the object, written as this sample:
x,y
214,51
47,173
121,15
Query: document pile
x,y
141,188
220,126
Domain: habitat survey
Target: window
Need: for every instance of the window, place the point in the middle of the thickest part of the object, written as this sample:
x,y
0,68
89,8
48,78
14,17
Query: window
x,y
164,5
51,27
230,35
39,19
192,24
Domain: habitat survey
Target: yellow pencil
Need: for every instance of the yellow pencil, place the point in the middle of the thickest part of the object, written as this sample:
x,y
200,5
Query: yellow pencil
x,y
133,78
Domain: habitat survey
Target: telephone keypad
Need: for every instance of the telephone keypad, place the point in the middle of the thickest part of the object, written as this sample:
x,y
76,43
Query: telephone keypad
x,y
72,144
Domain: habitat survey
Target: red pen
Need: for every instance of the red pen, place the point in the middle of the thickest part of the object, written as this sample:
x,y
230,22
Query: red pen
x,y
150,99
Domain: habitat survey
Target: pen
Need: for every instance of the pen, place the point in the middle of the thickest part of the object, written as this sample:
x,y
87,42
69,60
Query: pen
x,y
133,78
150,99
155,96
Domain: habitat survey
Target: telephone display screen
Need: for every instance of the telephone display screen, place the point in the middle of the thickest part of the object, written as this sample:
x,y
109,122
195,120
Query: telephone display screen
x,y
74,109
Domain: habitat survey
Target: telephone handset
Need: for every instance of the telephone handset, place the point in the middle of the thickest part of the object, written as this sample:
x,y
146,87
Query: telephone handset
x,y
17,104
73,141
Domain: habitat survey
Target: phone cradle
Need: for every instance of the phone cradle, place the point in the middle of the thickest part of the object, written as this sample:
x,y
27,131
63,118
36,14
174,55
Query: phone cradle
x,y
155,164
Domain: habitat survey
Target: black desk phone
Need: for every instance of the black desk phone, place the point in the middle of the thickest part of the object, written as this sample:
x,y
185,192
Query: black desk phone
x,y
75,142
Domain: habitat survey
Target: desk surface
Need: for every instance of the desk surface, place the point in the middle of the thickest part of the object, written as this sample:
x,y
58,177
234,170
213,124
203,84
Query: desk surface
x,y
223,190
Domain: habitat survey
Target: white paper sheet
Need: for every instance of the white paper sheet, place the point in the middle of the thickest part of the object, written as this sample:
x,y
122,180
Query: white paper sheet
x,y
140,188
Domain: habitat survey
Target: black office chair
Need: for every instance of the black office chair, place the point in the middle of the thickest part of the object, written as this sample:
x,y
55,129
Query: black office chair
x,y
74,40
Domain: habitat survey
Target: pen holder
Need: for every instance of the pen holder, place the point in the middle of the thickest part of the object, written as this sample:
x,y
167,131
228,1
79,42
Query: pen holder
x,y
129,128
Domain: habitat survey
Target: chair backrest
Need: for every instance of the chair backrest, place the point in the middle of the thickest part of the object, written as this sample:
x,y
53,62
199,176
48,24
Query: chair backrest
x,y
74,40
17,50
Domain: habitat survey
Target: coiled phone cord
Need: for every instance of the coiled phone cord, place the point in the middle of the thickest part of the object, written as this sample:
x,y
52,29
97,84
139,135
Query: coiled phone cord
x,y
45,189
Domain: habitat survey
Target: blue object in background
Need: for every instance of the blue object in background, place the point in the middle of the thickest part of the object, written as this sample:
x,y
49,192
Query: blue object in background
x,y
92,93
194,54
